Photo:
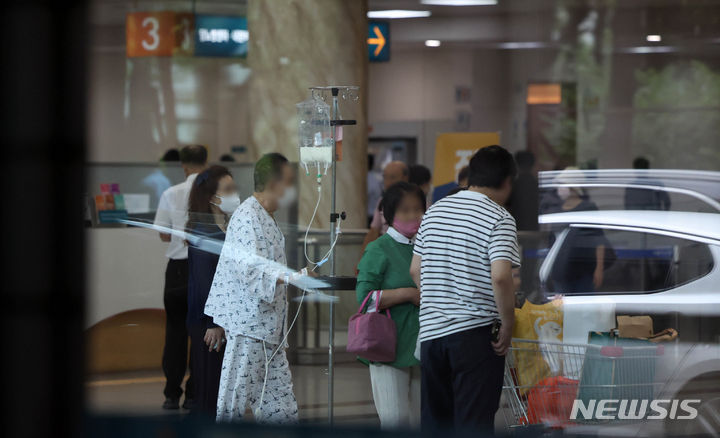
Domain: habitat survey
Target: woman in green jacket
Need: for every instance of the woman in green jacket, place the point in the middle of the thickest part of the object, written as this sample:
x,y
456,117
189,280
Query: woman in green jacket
x,y
384,272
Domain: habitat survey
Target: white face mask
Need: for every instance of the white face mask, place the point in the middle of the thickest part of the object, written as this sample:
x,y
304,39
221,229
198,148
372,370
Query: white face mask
x,y
563,192
228,204
288,198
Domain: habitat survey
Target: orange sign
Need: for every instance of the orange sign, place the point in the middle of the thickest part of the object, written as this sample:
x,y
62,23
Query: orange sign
x,y
453,151
159,33
538,94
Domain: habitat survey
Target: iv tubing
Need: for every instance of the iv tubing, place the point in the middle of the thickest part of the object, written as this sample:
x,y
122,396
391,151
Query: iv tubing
x,y
257,410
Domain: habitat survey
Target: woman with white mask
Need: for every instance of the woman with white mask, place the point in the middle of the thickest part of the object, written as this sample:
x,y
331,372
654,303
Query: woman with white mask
x,y
213,198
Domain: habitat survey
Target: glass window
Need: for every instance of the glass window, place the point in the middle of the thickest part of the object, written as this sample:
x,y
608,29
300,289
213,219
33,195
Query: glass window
x,y
630,198
591,260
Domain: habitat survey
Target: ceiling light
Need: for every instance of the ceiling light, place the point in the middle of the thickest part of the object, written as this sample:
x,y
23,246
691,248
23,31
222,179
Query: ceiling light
x,y
648,49
459,2
432,43
654,38
398,13
522,45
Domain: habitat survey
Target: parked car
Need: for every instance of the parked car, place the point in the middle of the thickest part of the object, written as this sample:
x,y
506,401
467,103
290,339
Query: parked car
x,y
633,189
665,264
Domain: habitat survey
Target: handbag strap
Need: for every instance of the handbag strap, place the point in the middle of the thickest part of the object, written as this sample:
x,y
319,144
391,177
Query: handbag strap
x,y
362,306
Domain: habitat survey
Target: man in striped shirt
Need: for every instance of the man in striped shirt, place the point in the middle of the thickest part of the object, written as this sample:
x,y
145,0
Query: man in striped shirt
x,y
463,258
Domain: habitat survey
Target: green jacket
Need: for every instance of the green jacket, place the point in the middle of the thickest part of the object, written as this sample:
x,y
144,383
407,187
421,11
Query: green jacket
x,y
386,265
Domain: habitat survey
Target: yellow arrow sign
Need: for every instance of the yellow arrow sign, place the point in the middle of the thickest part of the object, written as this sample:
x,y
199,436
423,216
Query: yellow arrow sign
x,y
379,40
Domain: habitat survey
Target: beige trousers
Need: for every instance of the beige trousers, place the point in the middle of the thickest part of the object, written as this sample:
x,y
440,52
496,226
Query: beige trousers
x,y
396,392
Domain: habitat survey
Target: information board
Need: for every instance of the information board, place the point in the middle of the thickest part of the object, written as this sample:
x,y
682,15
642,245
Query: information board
x,y
221,36
169,33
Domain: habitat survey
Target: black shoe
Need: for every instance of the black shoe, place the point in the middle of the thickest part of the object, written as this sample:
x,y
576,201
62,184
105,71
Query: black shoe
x,y
171,403
189,404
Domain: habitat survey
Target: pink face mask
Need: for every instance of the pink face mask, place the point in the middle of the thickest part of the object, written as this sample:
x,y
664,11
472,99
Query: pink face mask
x,y
407,228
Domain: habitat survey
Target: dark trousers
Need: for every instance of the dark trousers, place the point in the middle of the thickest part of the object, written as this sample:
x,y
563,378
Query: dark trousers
x,y
175,353
207,366
462,381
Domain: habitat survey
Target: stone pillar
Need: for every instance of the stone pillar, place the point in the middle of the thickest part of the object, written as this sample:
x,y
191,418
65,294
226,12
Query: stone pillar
x,y
295,44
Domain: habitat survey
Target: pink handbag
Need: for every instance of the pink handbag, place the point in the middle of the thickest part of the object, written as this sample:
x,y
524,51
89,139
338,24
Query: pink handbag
x,y
372,336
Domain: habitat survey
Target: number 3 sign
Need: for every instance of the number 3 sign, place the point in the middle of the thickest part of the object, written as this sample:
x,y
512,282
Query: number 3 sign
x,y
150,33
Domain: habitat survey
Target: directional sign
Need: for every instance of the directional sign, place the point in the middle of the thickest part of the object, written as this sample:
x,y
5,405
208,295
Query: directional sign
x,y
378,41
221,36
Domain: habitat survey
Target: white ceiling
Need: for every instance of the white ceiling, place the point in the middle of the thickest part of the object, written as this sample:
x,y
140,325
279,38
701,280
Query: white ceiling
x,y
684,24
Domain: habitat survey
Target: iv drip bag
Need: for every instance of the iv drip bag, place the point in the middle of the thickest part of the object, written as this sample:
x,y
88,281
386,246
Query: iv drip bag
x,y
314,133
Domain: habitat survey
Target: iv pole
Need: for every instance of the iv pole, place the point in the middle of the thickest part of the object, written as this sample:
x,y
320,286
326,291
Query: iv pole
x,y
334,217
331,328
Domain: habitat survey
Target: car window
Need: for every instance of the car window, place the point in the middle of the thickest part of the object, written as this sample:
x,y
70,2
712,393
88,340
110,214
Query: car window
x,y
632,262
633,198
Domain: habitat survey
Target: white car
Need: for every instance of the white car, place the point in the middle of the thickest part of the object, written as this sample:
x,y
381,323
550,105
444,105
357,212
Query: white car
x,y
613,189
662,263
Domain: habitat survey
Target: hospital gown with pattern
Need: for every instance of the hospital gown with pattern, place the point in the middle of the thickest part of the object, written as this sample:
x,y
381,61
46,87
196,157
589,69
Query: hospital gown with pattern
x,y
247,302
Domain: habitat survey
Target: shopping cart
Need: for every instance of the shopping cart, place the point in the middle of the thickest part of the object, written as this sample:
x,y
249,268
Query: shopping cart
x,y
543,379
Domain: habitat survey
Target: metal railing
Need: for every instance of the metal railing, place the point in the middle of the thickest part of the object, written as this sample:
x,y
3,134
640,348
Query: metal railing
x,y
313,322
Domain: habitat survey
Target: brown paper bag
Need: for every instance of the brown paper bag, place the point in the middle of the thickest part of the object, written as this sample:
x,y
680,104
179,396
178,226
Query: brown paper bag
x,y
634,326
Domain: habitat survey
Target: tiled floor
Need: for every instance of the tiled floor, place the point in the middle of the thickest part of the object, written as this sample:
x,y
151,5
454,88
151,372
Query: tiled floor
x,y
140,393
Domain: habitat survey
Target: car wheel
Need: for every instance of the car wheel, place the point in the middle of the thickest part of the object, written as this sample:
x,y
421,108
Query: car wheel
x,y
707,423
709,417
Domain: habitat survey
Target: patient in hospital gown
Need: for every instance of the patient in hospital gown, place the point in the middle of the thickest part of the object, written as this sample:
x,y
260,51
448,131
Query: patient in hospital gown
x,y
248,299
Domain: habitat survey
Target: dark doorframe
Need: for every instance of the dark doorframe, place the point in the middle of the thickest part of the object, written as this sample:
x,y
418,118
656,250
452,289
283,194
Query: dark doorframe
x,y
43,137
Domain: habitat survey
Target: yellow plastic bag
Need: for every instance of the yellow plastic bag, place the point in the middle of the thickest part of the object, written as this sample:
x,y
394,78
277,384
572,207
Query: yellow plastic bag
x,y
544,323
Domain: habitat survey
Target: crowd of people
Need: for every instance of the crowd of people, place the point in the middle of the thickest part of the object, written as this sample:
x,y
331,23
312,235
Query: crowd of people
x,y
440,260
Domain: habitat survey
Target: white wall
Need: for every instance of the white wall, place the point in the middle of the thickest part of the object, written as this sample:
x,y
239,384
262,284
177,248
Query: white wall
x,y
413,95
418,84
140,107
126,271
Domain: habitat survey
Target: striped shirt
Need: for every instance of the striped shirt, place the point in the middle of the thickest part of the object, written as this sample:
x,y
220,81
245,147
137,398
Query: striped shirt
x,y
459,237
